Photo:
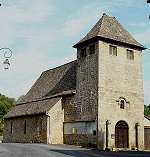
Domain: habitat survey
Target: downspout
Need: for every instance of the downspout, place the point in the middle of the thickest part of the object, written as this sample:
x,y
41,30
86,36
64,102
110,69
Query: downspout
x,y
137,134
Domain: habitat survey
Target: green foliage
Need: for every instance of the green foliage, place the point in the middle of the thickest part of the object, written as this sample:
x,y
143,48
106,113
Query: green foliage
x,y
147,110
6,104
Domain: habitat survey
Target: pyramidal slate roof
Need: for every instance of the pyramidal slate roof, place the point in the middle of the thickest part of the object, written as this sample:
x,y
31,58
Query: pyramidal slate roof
x,y
109,28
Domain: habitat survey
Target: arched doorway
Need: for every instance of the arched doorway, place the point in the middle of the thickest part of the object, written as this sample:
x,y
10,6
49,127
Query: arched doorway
x,y
121,135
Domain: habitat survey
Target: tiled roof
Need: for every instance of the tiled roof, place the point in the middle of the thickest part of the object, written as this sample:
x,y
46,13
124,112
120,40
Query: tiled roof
x,y
32,108
109,28
47,91
53,82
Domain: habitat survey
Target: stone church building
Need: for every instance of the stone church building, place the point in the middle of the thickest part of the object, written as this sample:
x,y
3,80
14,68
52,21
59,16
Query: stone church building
x,y
96,100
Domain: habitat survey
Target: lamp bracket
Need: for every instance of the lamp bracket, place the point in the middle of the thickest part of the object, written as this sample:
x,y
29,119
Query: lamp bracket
x,y
7,52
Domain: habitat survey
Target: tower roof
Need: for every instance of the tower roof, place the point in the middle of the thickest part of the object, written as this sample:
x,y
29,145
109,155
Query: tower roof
x,y
109,28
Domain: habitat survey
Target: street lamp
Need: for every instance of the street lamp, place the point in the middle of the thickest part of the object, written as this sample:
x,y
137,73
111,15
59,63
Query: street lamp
x,y
6,62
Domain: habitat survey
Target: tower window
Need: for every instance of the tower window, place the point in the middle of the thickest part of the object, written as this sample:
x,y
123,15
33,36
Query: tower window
x,y
92,49
122,104
113,50
130,54
11,127
83,53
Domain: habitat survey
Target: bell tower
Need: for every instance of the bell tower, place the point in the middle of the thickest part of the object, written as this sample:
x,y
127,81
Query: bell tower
x,y
109,86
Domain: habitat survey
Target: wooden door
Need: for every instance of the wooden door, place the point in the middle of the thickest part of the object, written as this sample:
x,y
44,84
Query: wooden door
x,y
121,135
147,138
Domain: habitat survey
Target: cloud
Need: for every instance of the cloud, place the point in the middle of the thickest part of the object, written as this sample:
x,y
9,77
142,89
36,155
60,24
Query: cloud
x,y
68,59
27,11
143,37
20,89
23,17
138,24
147,92
85,17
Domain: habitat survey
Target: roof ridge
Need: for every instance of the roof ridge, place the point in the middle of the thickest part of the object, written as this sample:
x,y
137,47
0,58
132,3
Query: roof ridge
x,y
59,66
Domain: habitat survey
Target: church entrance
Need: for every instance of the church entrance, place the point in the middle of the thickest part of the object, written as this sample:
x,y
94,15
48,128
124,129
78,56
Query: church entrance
x,y
121,135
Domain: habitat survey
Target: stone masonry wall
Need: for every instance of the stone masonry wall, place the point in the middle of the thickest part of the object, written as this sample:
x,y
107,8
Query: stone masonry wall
x,y
46,128
83,105
35,131
87,85
120,77
70,108
55,121
81,140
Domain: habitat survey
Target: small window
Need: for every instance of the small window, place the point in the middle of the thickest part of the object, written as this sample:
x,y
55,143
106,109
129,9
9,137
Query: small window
x,y
130,54
11,127
113,50
39,129
25,127
94,132
83,53
122,103
92,49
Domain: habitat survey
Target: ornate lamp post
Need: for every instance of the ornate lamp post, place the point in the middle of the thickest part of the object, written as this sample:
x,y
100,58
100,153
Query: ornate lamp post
x,y
6,62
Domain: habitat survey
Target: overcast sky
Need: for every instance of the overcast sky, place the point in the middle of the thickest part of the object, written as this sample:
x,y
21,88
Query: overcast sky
x,y
41,34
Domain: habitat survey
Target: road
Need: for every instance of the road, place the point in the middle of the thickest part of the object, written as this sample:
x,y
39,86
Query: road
x,y
43,150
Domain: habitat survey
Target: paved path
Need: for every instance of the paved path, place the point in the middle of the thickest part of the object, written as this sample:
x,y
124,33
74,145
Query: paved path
x,y
43,150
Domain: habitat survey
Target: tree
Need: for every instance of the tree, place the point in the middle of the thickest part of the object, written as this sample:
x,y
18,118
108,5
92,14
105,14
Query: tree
x,y
147,110
6,104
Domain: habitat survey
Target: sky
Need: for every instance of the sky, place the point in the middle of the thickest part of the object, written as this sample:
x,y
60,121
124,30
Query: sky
x,y
41,34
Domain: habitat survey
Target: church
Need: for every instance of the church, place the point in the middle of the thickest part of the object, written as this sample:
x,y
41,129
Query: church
x,y
96,100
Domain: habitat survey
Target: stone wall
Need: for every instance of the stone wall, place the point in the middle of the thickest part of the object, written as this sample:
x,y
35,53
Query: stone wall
x,y
80,133
46,128
81,140
70,108
34,131
55,124
120,77
87,85
83,105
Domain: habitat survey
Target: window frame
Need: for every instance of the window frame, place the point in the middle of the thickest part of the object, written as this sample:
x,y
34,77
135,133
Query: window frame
x,y
130,54
113,50
92,49
122,105
83,53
